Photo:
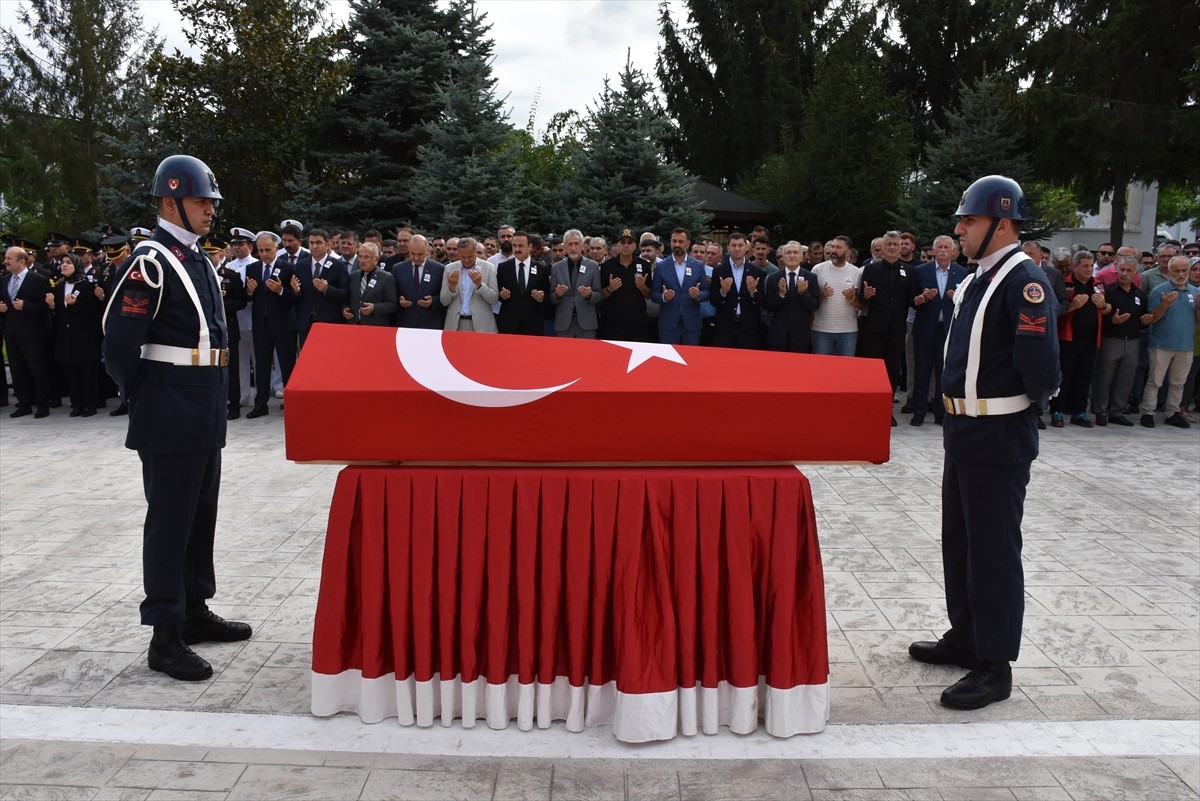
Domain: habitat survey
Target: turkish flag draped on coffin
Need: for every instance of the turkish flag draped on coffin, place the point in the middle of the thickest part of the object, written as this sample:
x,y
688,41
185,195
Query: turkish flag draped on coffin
x,y
433,396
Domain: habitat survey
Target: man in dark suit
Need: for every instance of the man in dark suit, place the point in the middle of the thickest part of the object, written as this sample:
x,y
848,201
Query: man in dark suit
x,y
523,286
273,295
679,287
886,284
419,287
331,280
26,332
791,295
299,262
933,299
372,290
736,294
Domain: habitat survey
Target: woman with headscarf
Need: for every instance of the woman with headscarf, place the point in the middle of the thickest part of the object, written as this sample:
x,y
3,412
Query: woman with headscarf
x,y
76,310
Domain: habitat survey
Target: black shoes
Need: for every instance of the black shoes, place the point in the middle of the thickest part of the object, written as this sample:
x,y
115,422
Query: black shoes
x,y
1102,420
941,653
257,411
986,684
168,654
204,625
123,409
1120,420
42,412
1081,420
917,420
1177,421
894,423
1147,421
234,413
21,411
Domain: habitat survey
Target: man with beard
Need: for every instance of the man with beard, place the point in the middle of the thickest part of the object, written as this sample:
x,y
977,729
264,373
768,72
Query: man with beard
x,y
886,291
835,322
626,281
679,287
736,295
504,244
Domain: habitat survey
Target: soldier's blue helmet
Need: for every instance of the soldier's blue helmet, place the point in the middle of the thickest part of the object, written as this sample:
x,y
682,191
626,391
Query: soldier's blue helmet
x,y
993,196
184,176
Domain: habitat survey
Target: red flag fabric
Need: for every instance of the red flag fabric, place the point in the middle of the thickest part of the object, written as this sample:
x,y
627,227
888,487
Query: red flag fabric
x,y
367,394
658,601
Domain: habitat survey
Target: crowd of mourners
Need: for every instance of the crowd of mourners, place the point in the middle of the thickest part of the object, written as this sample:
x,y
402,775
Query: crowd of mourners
x,y
1127,320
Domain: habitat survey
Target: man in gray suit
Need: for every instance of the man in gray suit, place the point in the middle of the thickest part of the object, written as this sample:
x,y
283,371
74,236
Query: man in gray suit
x,y
575,291
469,290
372,290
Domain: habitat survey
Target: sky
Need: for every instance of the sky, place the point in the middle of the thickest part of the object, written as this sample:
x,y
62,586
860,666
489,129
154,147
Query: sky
x,y
564,48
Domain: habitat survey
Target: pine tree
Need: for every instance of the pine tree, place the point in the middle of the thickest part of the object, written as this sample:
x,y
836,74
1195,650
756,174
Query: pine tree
x,y
465,177
132,157
981,138
400,53
301,202
622,176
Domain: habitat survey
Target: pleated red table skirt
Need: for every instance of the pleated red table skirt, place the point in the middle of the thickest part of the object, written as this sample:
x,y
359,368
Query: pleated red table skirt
x,y
656,600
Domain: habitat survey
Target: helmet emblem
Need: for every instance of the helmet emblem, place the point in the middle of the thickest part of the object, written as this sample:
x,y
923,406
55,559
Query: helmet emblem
x,y
173,183
212,181
962,200
1005,203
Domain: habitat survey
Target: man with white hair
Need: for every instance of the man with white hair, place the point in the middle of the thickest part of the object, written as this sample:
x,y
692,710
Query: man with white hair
x,y
273,299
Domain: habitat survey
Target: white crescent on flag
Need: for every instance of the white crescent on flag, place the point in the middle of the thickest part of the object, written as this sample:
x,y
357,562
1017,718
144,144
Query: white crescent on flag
x,y
424,358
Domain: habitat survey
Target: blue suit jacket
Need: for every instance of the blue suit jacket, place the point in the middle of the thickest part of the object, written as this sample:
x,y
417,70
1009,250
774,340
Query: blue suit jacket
x,y
431,285
926,320
681,308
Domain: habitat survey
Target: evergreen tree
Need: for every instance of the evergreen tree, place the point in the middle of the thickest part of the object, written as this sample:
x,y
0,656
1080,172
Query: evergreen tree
x,y
465,177
62,83
301,202
265,76
735,77
132,157
843,172
622,176
981,138
399,52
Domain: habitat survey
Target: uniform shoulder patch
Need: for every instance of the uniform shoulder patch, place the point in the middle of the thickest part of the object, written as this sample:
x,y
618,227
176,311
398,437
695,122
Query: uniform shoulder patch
x,y
1033,292
1032,321
135,304
136,275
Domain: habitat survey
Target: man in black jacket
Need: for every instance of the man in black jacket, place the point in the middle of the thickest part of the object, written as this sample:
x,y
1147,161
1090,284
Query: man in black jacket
x,y
886,291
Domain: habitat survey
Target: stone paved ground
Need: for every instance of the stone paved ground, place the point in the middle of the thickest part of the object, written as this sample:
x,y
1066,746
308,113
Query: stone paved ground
x,y
1112,637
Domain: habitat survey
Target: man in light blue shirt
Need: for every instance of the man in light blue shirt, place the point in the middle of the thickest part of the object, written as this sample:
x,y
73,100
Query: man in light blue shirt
x,y
1172,317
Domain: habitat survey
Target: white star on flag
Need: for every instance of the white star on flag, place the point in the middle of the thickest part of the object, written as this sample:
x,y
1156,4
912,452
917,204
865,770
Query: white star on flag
x,y
641,352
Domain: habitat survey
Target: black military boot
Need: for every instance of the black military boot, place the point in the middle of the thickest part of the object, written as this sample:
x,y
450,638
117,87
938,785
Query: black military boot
x,y
169,655
205,625
987,683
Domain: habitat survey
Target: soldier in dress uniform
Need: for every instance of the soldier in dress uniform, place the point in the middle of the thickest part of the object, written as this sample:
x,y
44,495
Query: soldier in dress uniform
x,y
116,250
1001,363
167,347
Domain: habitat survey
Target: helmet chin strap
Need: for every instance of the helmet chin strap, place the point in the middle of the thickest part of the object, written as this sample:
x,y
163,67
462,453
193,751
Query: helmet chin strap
x,y
183,217
979,253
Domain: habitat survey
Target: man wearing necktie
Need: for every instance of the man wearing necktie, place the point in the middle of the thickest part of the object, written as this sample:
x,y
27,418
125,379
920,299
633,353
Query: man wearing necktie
x,y
26,319
523,287
300,263
167,347
330,280
792,295
419,287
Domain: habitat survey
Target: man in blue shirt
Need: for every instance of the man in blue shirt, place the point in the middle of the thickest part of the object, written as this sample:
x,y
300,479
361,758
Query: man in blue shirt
x,y
1172,317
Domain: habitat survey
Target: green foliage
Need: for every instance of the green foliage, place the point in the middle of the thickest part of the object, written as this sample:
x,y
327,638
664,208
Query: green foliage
x,y
133,155
622,177
544,165
266,74
398,52
465,178
842,174
1179,203
63,80
982,137
735,78
1111,97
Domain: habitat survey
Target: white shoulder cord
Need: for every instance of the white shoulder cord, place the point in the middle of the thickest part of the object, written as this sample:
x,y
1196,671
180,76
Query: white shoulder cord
x,y
970,388
139,262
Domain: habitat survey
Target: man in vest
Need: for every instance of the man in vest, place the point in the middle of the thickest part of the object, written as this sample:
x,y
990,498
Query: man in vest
x,y
1001,363
166,346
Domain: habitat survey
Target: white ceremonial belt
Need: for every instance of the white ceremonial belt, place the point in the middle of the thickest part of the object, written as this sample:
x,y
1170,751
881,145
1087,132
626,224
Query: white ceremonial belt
x,y
986,407
186,357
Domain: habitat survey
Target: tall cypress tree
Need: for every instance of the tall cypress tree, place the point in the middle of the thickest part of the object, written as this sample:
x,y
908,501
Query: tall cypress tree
x,y
622,176
465,177
400,54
